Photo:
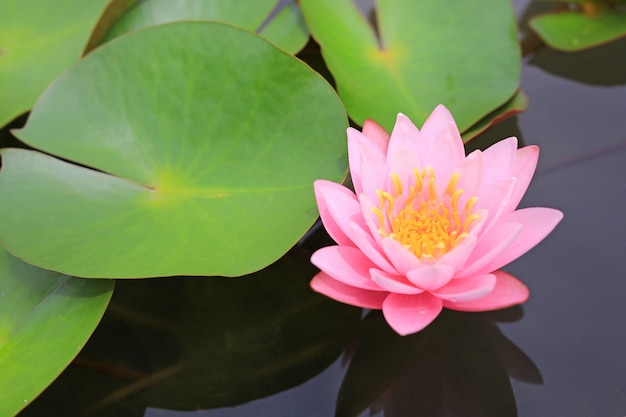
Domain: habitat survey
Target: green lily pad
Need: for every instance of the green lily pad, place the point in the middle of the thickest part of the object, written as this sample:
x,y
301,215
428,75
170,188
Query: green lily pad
x,y
198,157
38,40
45,319
417,55
517,104
286,28
574,30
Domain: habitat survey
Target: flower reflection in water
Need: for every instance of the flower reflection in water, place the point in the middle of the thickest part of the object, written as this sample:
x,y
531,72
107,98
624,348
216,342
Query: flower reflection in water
x,y
459,366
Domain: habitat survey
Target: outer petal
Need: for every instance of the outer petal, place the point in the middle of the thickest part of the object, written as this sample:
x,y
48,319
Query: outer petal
x,y
489,246
373,175
408,314
346,264
337,206
523,171
499,160
324,284
361,150
431,277
508,291
537,223
394,283
495,199
377,135
467,289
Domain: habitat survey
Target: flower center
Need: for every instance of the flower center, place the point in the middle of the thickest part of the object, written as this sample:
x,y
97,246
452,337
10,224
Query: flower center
x,y
427,224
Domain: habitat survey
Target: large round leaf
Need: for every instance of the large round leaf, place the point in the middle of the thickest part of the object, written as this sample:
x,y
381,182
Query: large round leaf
x,y
418,54
38,40
45,319
207,139
284,27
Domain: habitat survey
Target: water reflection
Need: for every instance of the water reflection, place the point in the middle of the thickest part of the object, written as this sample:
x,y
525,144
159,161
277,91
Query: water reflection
x,y
188,343
458,366
600,65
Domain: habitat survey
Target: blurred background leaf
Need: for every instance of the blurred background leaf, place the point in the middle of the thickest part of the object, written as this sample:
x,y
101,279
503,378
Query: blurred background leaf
x,y
279,22
39,40
591,23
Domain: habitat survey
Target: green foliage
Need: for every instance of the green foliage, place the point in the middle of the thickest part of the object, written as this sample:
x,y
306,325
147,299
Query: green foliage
x,y
45,319
38,40
286,29
189,147
204,342
418,54
571,30
192,168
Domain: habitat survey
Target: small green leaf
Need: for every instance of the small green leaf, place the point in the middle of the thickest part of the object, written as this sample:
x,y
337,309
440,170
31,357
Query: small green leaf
x,y
45,319
573,30
419,54
204,141
286,29
39,40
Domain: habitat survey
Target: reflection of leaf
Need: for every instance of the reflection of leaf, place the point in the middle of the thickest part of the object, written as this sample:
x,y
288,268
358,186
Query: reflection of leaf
x,y
286,28
249,338
204,342
45,318
208,168
38,40
453,367
574,30
569,65
421,54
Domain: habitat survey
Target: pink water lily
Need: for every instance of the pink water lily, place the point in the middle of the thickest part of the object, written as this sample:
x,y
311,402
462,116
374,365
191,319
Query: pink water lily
x,y
427,226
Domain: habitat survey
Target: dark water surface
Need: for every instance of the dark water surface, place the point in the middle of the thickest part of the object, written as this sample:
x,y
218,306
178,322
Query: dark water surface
x,y
266,346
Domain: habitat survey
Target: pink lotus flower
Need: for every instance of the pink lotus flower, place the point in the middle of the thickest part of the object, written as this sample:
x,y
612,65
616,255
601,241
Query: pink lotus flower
x,y
428,227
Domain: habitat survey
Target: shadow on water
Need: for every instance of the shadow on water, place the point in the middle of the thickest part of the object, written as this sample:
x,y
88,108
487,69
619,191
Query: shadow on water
x,y
458,366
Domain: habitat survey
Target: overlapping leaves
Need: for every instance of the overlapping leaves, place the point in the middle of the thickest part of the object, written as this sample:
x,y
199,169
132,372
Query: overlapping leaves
x,y
415,55
196,155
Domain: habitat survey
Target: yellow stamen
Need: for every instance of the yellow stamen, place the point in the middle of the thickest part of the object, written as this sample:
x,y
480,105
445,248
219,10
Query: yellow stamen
x,y
427,224
397,185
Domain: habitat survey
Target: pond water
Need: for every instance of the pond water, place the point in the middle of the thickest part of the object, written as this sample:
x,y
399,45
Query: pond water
x,y
266,346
